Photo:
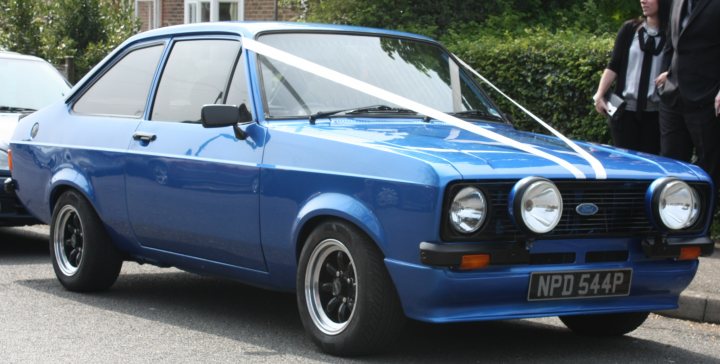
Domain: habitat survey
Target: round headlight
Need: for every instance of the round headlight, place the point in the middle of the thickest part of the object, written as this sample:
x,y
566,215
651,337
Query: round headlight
x,y
539,205
678,205
468,210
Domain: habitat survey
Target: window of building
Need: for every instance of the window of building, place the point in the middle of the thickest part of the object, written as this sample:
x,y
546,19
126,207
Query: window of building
x,y
214,10
148,12
122,90
197,73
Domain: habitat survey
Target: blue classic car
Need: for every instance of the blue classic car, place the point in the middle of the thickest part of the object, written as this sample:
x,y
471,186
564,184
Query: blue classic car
x,y
366,170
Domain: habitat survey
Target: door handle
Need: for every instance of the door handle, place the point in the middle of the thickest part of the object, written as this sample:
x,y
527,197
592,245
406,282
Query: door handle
x,y
144,137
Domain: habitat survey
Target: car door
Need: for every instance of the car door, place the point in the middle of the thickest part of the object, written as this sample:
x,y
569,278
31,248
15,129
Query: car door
x,y
193,190
95,135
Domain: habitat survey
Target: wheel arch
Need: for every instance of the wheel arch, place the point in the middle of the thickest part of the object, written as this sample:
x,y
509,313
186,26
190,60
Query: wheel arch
x,y
65,180
328,206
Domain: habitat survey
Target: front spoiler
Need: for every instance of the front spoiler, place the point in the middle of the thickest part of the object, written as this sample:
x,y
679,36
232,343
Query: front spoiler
x,y
442,295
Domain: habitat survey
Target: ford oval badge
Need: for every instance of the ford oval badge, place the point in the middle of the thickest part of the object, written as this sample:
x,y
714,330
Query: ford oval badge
x,y
587,209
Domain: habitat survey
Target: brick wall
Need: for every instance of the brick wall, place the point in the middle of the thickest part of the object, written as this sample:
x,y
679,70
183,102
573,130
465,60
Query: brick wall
x,y
265,10
173,12
144,14
259,9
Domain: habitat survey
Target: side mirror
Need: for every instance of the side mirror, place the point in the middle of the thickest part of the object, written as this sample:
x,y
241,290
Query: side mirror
x,y
218,116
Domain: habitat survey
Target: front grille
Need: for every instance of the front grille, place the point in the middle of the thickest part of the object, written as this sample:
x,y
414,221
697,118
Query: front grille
x,y
621,211
621,208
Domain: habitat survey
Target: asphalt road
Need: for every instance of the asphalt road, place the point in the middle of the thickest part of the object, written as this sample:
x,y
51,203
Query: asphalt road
x,y
154,315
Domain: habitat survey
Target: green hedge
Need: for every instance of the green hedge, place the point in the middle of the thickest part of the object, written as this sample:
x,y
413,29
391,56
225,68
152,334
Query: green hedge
x,y
554,75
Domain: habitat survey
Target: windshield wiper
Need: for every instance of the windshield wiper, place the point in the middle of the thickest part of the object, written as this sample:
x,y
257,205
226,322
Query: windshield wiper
x,y
375,109
16,109
478,114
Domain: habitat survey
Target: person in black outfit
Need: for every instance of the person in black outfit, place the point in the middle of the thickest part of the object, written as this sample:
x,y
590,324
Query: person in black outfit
x,y
635,64
690,89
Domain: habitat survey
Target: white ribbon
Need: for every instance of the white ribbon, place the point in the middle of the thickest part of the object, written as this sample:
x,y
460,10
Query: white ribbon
x,y
600,172
337,77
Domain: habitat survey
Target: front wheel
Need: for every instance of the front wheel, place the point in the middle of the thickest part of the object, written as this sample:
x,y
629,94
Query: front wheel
x,y
347,301
83,256
613,324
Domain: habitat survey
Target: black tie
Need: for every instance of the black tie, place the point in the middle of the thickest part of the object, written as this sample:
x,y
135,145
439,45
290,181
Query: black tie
x,y
650,49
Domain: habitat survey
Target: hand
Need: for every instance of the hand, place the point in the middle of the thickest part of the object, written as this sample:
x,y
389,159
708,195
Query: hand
x,y
660,80
600,105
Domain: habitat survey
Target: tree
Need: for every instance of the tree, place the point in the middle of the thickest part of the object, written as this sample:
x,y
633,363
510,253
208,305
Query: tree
x,y
84,29
438,18
20,26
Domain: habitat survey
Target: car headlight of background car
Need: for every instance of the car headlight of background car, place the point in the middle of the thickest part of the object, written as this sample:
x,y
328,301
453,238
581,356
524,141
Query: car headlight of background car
x,y
4,163
675,204
536,205
468,210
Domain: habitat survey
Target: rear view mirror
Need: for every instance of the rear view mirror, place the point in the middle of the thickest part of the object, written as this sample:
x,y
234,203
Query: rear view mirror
x,y
217,116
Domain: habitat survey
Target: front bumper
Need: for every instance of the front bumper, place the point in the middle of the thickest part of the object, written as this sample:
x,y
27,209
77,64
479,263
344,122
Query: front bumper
x,y
12,212
442,294
450,255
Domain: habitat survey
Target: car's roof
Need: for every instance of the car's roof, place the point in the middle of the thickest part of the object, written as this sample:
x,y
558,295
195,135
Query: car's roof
x,y
251,29
18,56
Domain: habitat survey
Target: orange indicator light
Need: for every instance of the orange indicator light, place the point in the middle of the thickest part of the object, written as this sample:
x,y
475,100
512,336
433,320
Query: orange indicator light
x,y
475,261
689,253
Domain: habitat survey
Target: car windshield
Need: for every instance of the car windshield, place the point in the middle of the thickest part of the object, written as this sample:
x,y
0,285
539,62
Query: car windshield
x,y
29,84
420,71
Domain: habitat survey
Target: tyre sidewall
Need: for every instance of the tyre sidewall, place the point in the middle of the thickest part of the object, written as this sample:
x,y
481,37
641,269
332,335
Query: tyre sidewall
x,y
97,249
350,340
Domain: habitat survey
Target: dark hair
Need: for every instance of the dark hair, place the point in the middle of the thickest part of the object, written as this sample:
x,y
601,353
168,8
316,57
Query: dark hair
x,y
664,7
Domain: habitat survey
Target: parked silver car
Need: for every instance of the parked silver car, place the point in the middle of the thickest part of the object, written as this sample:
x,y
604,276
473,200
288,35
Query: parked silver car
x,y
27,84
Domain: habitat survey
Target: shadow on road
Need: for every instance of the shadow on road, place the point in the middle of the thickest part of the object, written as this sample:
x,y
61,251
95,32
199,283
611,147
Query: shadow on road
x,y
22,246
270,320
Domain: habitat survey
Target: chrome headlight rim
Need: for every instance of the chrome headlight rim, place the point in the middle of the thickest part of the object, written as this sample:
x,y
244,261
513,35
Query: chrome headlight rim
x,y
461,191
517,200
662,186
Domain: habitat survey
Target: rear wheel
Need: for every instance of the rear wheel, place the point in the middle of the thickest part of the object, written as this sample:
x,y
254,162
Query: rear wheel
x,y
613,324
83,256
346,298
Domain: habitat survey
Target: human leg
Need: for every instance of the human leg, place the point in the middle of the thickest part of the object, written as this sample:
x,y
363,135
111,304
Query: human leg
x,y
625,131
675,140
704,130
649,133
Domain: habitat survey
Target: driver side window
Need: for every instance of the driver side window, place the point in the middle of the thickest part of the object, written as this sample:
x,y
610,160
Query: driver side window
x,y
197,73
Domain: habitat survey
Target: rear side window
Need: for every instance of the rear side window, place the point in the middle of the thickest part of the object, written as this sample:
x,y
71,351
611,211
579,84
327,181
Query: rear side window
x,y
197,73
123,90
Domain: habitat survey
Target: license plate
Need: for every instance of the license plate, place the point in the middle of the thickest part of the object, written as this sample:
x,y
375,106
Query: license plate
x,y
579,284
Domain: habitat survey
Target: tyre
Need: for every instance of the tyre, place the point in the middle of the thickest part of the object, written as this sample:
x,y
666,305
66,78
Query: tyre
x,y
83,256
613,324
347,301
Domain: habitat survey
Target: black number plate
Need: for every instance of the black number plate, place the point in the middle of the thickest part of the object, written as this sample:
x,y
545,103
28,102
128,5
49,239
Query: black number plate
x,y
579,284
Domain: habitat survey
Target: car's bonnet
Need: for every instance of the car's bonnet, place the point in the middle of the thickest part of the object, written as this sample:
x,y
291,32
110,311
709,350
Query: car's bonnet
x,y
8,122
476,157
